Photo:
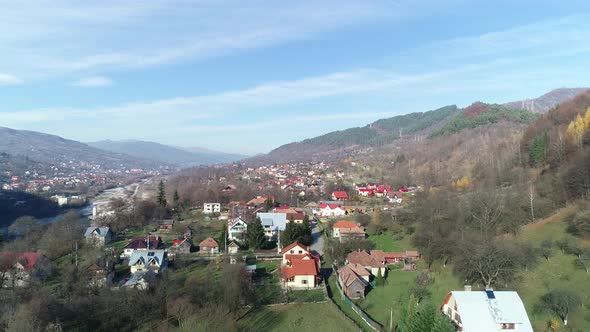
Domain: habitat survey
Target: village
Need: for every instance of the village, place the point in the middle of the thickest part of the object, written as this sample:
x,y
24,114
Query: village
x,y
324,251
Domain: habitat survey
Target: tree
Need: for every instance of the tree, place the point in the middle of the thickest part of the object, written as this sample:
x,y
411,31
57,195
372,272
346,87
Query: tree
x,y
426,318
583,261
175,199
162,194
561,302
380,281
546,248
255,235
487,262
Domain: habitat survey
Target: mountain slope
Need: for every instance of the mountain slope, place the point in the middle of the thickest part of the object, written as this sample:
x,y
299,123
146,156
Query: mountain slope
x,y
378,133
51,149
547,101
164,153
480,114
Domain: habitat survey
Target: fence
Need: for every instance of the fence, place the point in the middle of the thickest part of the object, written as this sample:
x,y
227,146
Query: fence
x,y
373,324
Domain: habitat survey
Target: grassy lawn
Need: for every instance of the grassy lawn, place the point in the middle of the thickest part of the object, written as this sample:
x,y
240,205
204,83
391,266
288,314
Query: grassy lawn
x,y
386,242
296,317
311,295
395,293
344,307
558,272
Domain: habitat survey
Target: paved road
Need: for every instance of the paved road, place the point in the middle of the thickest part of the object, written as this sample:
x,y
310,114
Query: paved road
x,y
318,239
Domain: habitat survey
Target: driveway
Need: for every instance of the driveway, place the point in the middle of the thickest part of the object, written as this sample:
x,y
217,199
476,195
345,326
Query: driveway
x,y
318,240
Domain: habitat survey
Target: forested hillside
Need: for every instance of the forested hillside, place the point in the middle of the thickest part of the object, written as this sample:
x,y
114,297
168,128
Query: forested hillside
x,y
479,114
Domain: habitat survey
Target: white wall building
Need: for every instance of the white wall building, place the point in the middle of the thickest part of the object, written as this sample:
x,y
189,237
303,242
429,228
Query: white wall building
x,y
209,208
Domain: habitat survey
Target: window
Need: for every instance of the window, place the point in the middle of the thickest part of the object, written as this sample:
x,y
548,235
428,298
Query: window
x,y
292,251
304,282
507,326
300,252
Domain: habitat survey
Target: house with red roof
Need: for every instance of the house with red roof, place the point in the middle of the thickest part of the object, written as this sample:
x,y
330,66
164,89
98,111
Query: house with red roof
x,y
17,269
339,195
181,246
300,267
209,246
331,210
141,243
347,230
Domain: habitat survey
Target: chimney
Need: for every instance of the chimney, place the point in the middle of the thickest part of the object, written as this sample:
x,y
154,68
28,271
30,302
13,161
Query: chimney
x,y
467,288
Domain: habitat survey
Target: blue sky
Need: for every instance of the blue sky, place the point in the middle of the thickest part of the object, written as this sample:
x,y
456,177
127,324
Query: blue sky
x,y
248,76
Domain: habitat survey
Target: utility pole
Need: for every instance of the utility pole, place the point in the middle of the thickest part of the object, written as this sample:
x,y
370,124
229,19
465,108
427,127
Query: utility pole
x,y
76,253
391,320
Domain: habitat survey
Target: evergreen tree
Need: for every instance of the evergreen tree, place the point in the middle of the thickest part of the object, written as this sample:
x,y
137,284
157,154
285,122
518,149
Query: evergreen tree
x,y
269,204
162,194
290,234
256,238
176,198
380,278
222,237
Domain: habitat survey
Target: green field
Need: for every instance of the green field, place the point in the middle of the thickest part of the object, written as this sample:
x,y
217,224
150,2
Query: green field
x,y
386,242
296,317
558,272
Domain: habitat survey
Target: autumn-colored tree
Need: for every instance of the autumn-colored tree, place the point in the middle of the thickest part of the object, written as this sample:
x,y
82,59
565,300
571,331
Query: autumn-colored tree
x,y
463,183
576,129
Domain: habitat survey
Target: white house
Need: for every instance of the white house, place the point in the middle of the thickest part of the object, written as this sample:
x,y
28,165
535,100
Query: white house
x,y
300,267
486,311
331,210
273,223
209,208
236,229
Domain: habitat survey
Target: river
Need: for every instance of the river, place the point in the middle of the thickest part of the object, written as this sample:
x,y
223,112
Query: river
x,y
103,199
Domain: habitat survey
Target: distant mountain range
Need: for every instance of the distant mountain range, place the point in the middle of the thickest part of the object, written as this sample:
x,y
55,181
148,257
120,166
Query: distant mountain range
x,y
167,154
547,101
51,149
418,126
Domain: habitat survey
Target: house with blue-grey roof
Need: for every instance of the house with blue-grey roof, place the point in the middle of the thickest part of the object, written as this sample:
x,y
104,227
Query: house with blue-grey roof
x,y
148,260
98,236
273,223
486,311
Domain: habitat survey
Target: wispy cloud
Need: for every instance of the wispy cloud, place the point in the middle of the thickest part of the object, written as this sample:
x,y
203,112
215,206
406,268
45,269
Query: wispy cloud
x,y
114,35
7,79
93,82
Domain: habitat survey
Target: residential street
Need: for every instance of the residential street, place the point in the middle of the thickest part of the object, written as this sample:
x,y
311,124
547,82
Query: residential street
x,y
318,239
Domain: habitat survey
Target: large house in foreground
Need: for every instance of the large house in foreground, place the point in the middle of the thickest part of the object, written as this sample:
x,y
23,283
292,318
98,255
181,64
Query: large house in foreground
x,y
486,311
300,267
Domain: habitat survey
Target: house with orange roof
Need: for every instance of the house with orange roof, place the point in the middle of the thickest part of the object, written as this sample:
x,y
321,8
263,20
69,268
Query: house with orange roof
x,y
300,267
209,246
347,230
367,261
354,279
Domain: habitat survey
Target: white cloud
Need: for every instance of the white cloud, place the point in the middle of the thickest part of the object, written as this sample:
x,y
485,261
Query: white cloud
x,y
93,82
113,35
7,79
